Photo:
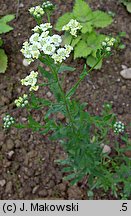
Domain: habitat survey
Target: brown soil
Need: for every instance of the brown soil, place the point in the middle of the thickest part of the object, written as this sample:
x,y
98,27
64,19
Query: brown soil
x,y
31,172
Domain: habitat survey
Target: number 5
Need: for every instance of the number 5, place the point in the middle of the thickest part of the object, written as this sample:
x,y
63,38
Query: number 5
x,y
124,206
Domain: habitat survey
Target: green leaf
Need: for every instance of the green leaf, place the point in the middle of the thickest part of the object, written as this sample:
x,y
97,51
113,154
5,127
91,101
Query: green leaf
x,y
101,19
65,68
67,38
81,50
45,73
87,27
75,41
81,10
91,61
63,20
4,28
3,61
128,6
7,18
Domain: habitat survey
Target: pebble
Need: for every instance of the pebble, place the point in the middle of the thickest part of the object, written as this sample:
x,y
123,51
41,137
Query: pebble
x,y
25,63
124,67
126,73
49,94
8,188
10,144
43,193
2,182
106,149
10,154
35,189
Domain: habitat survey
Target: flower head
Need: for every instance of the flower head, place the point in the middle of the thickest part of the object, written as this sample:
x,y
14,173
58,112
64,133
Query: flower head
x,y
30,80
73,26
8,121
22,101
119,127
37,11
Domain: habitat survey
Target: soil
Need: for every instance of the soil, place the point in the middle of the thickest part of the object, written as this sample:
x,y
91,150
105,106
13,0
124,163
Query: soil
x,y
27,167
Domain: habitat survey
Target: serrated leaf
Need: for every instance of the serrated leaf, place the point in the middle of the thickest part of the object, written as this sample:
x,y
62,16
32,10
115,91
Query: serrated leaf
x,y
81,50
94,42
87,27
3,61
91,61
81,10
128,6
63,20
7,18
75,41
101,19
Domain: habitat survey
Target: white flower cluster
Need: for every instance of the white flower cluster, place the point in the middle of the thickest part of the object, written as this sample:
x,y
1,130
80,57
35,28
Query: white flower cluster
x,y
108,43
73,26
40,41
62,54
37,11
31,80
47,5
8,121
119,127
22,101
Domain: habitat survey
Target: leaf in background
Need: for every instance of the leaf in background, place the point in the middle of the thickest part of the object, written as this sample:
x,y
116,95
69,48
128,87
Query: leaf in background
x,y
67,38
63,20
81,50
3,61
7,18
101,19
4,28
128,6
91,61
75,41
87,27
81,10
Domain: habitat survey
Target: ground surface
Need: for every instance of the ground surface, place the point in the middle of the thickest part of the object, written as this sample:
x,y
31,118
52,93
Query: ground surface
x,y
30,172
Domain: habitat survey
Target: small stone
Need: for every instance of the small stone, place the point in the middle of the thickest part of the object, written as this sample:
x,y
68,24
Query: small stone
x,y
43,193
10,154
126,73
106,149
2,182
124,67
21,5
35,189
10,144
8,188
49,94
25,63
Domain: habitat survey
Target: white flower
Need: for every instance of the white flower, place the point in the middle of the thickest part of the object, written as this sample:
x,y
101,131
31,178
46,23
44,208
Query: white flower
x,y
73,26
34,88
119,127
30,79
8,121
22,101
36,11
34,38
45,26
56,39
48,49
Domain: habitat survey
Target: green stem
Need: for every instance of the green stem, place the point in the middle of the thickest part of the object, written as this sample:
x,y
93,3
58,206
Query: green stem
x,y
83,76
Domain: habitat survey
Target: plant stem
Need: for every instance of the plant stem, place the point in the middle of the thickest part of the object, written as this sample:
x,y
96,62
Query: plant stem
x,y
84,75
